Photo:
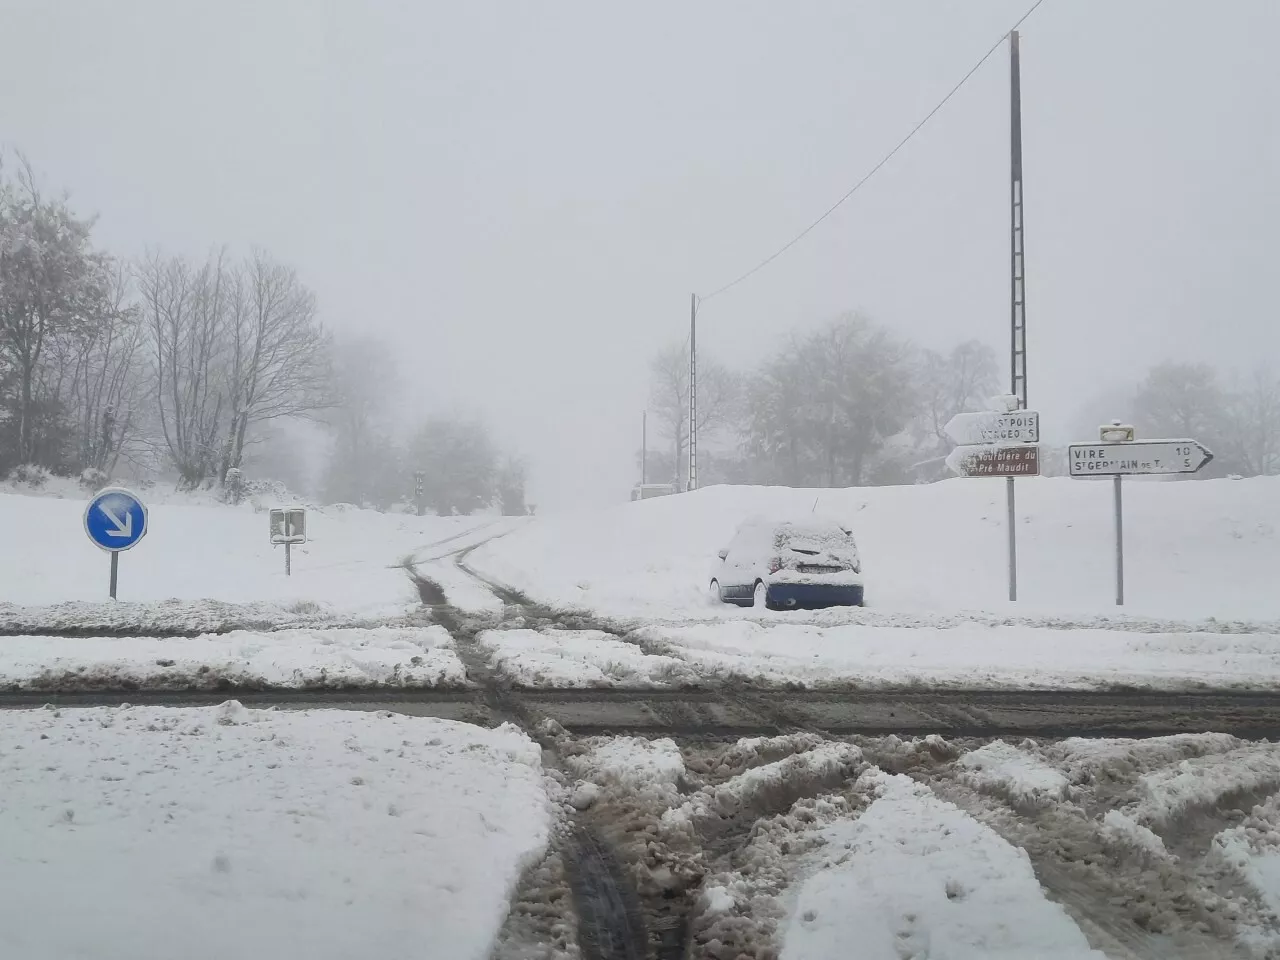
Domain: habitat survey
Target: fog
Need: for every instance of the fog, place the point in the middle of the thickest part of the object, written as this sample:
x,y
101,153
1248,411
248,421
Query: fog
x,y
522,197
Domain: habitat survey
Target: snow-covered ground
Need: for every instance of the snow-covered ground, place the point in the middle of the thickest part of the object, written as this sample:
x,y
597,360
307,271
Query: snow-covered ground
x,y
149,833
1193,549
913,876
290,659
201,551
580,658
971,655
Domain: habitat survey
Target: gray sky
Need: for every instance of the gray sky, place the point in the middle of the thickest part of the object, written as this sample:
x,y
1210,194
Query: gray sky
x,y
521,196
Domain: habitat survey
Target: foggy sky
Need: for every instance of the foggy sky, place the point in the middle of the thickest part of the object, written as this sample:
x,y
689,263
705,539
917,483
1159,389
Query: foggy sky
x,y
522,196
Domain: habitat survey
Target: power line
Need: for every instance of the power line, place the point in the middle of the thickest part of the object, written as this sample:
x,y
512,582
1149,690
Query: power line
x,y
874,170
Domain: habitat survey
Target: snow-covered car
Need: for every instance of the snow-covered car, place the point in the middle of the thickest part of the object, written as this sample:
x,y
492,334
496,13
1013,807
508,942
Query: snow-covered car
x,y
790,563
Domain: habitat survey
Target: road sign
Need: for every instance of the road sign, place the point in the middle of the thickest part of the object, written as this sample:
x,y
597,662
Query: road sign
x,y
980,460
1019,426
288,526
1139,457
115,519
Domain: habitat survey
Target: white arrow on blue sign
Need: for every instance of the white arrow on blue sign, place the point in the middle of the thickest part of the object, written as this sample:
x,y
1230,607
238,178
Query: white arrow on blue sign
x,y
115,519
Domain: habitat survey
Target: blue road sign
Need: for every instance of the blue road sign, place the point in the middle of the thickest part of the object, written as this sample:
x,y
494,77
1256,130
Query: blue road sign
x,y
115,519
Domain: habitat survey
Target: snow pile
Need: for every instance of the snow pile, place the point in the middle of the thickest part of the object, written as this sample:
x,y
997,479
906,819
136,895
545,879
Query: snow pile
x,y
350,564
166,617
913,876
291,659
580,658
1194,549
972,656
1122,831
1116,758
1167,793
628,762
1017,774
1252,850
146,833
773,785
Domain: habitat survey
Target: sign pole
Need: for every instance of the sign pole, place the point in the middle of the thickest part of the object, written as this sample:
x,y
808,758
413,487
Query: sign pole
x,y
115,572
288,560
1013,542
1119,544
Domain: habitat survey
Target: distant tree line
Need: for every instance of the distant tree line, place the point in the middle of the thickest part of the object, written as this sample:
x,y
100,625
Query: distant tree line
x,y
851,404
848,404
179,367
1236,415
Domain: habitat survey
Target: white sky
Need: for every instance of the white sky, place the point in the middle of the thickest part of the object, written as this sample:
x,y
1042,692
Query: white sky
x,y
522,196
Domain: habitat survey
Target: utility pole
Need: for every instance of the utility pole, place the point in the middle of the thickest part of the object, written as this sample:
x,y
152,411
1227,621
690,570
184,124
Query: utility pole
x,y
644,448
693,392
1017,289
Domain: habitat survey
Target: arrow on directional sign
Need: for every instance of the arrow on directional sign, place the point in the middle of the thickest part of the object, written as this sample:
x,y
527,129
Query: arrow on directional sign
x,y
1019,426
1014,460
124,528
1135,458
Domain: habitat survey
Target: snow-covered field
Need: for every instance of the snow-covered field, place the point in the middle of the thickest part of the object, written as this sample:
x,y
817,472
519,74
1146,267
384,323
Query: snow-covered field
x,y
153,833
198,551
970,655
289,659
1193,549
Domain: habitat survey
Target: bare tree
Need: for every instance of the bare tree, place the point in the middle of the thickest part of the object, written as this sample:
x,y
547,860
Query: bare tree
x,y
719,399
952,383
278,353
47,271
1251,438
186,313
364,382
106,391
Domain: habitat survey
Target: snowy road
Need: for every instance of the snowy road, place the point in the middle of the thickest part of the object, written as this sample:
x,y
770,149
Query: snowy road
x,y
691,713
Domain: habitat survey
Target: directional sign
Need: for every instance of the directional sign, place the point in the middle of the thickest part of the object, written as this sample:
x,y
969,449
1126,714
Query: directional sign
x,y
115,519
1019,426
995,461
1136,458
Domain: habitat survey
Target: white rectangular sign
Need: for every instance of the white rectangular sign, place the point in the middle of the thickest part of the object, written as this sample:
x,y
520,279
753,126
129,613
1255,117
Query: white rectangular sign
x,y
1019,426
288,525
1136,458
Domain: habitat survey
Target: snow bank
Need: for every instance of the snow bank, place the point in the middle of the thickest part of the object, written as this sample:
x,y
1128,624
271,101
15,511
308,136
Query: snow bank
x,y
579,658
379,657
628,762
973,655
149,833
1015,773
220,552
913,876
1204,781
1193,549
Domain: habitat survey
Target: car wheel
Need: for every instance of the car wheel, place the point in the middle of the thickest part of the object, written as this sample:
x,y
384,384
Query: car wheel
x,y
760,600
716,595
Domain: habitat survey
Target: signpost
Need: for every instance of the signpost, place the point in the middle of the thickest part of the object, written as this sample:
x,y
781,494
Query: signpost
x,y
1136,458
999,442
1117,457
115,520
995,461
288,526
1018,426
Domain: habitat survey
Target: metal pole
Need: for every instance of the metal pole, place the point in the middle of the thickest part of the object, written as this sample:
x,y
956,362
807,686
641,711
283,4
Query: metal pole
x,y
288,560
693,391
644,448
1013,543
1119,544
115,571
1017,304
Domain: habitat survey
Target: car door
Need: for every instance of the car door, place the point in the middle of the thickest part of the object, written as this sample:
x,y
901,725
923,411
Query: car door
x,y
738,583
